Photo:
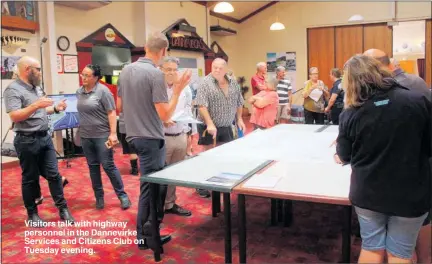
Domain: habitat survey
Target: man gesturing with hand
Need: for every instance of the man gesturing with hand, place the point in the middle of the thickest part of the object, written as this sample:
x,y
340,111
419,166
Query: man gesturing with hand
x,y
145,105
28,109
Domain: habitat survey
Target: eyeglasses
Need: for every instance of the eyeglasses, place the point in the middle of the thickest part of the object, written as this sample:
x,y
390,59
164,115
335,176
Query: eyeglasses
x,y
85,76
169,69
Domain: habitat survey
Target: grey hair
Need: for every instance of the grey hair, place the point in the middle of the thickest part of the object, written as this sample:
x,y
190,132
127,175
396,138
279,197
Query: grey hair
x,y
280,68
156,42
313,69
261,64
171,59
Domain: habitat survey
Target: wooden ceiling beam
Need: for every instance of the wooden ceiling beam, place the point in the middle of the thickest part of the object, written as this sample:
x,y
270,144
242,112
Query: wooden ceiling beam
x,y
259,10
222,16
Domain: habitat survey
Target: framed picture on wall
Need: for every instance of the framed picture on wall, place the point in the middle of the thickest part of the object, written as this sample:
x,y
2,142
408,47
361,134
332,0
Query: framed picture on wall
x,y
59,63
70,63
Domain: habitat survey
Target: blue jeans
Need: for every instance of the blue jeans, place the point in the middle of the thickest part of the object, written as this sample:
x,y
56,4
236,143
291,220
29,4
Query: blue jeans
x,y
397,235
37,156
96,154
151,154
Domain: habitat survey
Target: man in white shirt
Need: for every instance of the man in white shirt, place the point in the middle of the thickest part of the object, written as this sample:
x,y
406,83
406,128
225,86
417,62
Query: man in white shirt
x,y
176,132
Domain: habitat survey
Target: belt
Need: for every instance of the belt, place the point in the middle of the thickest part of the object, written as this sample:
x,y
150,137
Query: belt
x,y
173,135
31,134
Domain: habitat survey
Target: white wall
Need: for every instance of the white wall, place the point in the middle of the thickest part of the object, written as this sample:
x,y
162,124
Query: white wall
x,y
77,24
31,49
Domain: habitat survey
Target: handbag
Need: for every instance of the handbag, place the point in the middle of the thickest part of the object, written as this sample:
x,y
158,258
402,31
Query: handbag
x,y
8,149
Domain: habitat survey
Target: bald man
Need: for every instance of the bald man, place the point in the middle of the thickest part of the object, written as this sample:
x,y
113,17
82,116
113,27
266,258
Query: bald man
x,y
417,84
258,80
410,81
28,108
220,103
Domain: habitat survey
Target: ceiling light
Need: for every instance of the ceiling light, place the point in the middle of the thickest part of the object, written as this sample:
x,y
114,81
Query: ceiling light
x,y
356,18
223,7
277,26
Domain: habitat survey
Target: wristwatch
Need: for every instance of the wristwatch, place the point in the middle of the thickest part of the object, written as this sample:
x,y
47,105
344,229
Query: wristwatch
x,y
56,111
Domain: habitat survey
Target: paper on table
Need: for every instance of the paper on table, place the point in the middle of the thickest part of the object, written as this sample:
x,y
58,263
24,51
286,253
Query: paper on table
x,y
316,94
262,181
226,179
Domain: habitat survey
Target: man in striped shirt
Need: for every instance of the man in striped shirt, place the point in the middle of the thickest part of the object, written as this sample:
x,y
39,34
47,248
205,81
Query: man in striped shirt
x,y
284,89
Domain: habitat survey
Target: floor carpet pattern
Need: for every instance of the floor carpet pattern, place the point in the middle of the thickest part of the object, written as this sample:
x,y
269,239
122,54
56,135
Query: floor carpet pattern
x,y
314,237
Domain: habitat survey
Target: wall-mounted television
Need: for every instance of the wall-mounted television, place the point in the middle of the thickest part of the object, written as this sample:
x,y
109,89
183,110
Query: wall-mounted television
x,y
69,118
110,59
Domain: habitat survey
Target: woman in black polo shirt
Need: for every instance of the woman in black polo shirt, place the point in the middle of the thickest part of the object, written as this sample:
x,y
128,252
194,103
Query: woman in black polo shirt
x,y
385,134
98,125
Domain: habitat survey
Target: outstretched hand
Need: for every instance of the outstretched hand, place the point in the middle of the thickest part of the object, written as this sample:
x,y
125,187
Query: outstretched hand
x,y
182,81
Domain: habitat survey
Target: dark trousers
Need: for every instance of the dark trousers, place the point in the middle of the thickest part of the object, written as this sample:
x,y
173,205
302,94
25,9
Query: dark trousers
x,y
96,154
313,118
37,156
151,154
334,114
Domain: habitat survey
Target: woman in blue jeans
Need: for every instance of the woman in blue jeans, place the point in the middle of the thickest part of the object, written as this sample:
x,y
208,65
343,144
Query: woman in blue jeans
x,y
385,134
98,132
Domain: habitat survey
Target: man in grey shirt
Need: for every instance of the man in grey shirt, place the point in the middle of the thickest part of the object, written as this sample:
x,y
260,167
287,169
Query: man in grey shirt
x,y
144,102
28,110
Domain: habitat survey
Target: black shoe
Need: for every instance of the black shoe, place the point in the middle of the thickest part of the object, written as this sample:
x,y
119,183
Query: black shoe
x,y
35,220
39,200
134,171
178,210
203,193
164,240
100,204
66,215
125,203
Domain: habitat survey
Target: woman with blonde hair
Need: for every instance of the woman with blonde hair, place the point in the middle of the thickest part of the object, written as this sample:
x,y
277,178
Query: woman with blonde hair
x,y
315,94
385,134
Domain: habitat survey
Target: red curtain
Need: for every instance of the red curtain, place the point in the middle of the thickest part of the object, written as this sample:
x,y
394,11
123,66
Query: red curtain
x,y
421,64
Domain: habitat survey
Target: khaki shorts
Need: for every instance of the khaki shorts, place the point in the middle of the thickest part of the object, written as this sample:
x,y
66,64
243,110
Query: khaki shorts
x,y
282,112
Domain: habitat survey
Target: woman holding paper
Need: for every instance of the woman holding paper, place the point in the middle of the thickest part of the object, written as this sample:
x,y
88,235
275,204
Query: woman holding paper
x,y
315,93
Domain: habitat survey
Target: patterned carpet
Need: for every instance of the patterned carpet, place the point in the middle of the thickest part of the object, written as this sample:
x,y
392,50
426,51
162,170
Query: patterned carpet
x,y
314,237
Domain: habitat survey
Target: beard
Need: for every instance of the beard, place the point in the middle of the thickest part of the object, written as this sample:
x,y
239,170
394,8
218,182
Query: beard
x,y
34,80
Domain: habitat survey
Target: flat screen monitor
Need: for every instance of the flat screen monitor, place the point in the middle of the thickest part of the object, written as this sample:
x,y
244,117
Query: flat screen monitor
x,y
69,118
110,59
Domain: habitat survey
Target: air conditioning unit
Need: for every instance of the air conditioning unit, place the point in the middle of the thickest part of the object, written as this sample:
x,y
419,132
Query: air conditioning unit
x,y
221,31
84,5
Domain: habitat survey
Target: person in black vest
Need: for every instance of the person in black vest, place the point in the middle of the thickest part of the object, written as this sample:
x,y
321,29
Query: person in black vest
x,y
336,103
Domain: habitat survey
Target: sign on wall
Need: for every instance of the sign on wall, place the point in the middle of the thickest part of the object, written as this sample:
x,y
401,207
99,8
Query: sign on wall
x,y
285,59
70,63
7,65
188,43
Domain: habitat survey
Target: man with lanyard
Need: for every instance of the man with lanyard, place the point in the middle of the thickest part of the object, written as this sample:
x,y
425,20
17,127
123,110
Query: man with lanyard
x,y
28,109
175,132
143,90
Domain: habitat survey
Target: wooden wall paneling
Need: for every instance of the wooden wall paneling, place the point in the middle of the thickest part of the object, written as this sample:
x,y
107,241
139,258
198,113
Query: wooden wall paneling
x,y
428,53
321,51
378,36
349,42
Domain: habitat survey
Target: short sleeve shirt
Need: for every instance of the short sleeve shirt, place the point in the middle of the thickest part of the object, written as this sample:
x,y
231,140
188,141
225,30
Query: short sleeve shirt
x,y
222,109
142,86
19,95
93,108
255,81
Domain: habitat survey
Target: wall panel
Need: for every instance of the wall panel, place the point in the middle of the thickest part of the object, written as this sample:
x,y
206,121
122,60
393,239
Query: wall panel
x,y
321,51
428,51
378,36
349,42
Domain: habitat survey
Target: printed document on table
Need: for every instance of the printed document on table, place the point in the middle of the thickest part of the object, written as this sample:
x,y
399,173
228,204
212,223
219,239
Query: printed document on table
x,y
316,94
225,179
262,181
184,117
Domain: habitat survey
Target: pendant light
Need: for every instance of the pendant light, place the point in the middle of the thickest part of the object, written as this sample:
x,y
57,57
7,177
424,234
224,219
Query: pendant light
x,y
356,18
277,25
223,7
